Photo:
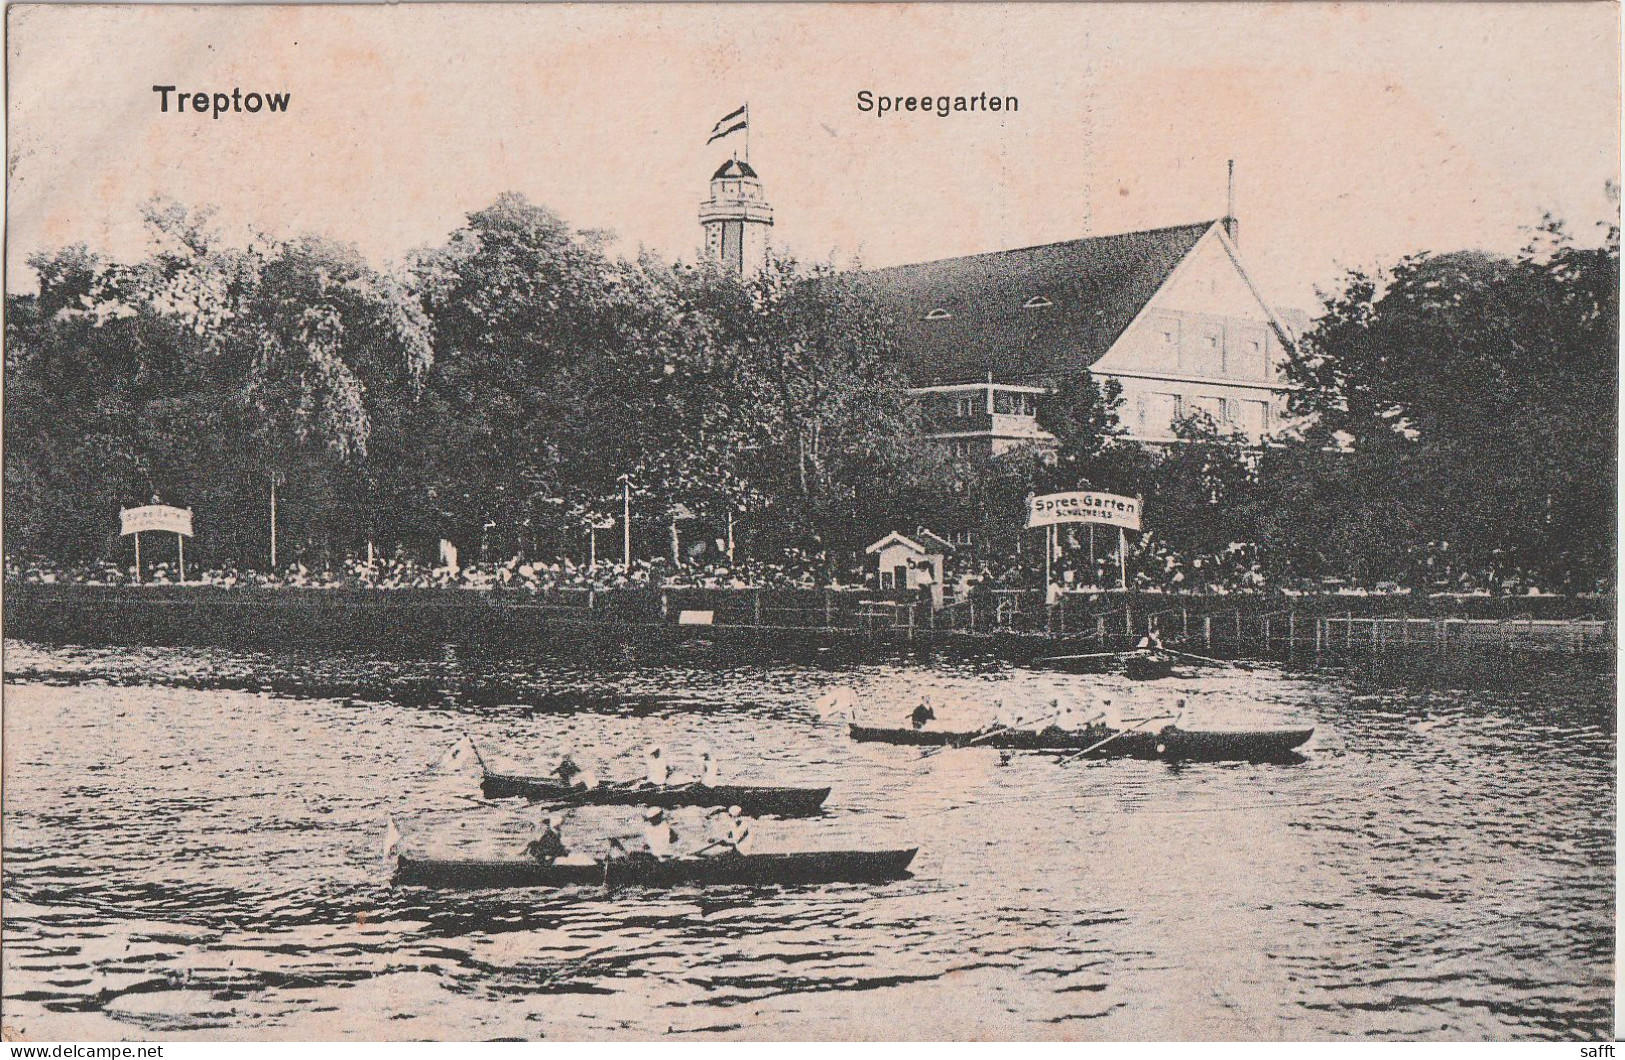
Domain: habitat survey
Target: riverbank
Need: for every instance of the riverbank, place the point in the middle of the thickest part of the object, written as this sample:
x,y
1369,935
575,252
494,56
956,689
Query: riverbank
x,y
789,621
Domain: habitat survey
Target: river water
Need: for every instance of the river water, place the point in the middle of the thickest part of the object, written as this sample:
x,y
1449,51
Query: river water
x,y
192,849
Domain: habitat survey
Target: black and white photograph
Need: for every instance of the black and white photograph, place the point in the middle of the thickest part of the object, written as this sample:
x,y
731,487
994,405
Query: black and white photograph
x,y
551,522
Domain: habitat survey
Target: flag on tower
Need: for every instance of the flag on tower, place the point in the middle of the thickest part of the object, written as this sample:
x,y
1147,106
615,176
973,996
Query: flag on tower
x,y
732,123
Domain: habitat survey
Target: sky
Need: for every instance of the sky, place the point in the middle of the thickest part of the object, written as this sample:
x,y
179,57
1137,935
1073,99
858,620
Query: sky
x,y
1360,132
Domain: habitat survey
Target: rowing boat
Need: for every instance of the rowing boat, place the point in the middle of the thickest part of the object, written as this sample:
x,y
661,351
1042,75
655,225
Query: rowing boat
x,y
1147,665
1170,742
753,800
827,866
1096,662
1137,665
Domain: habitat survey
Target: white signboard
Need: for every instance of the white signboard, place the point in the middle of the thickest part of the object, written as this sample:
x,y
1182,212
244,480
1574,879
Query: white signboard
x,y
155,517
1108,508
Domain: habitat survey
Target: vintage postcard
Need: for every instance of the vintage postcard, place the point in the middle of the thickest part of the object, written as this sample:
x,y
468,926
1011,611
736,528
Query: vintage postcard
x,y
673,522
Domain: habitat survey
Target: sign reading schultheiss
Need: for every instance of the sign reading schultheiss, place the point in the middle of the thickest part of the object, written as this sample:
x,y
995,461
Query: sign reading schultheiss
x,y
155,517
1108,508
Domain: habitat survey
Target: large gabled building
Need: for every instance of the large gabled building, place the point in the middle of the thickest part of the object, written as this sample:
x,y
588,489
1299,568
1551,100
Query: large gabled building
x,y
1169,313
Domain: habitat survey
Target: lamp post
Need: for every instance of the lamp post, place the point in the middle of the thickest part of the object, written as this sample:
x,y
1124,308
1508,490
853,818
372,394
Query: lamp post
x,y
626,523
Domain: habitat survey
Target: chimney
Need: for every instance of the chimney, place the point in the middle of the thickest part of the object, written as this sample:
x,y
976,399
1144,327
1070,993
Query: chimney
x,y
1232,227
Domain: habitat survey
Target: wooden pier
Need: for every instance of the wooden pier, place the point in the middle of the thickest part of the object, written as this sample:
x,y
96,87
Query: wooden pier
x,y
1018,624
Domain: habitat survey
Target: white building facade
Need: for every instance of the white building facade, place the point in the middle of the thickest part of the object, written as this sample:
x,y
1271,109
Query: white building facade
x,y
1169,314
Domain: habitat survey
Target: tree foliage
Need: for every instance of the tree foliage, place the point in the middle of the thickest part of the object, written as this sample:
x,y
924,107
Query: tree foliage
x,y
1465,404
509,385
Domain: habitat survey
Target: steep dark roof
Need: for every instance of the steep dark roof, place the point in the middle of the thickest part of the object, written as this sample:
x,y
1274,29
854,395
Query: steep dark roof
x,y
733,168
1096,288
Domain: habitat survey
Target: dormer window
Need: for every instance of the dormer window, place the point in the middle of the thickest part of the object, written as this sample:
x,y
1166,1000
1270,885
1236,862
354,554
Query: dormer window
x,y
938,314
1037,301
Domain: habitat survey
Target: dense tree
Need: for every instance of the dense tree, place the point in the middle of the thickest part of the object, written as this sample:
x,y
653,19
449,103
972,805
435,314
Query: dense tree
x,y
835,439
516,299
1465,403
1081,411
1455,413
199,375
1196,494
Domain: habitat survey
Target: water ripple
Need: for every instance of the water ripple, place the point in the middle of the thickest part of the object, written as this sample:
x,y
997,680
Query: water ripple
x,y
191,850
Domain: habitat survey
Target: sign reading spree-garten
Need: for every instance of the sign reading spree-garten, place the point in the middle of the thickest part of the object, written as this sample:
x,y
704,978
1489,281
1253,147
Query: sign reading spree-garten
x,y
155,517
1108,508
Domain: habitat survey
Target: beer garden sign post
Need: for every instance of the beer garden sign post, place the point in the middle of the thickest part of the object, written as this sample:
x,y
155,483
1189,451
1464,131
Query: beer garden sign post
x,y
162,517
1053,509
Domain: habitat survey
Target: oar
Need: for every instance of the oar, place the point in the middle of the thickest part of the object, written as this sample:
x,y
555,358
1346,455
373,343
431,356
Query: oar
x,y
1008,728
708,846
991,732
1121,732
609,856
485,770
1203,658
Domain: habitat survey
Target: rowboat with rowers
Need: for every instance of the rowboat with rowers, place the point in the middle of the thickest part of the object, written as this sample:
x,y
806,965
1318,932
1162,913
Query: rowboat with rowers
x,y
570,786
1104,741
1150,660
1137,664
754,800
726,869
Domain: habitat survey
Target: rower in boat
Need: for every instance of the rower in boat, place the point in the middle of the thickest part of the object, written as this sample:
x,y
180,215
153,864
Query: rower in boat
x,y
1007,717
922,714
573,775
658,834
549,846
710,774
658,770
1071,718
740,839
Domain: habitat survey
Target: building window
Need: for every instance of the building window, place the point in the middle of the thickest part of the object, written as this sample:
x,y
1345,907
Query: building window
x,y
1158,413
938,314
1213,407
1254,417
1037,301
1247,357
1016,403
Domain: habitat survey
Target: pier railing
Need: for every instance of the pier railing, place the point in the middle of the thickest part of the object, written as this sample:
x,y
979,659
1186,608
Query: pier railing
x,y
1237,624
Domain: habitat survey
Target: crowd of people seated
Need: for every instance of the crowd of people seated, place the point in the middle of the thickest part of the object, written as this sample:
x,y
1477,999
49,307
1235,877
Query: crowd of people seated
x,y
400,572
1152,568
